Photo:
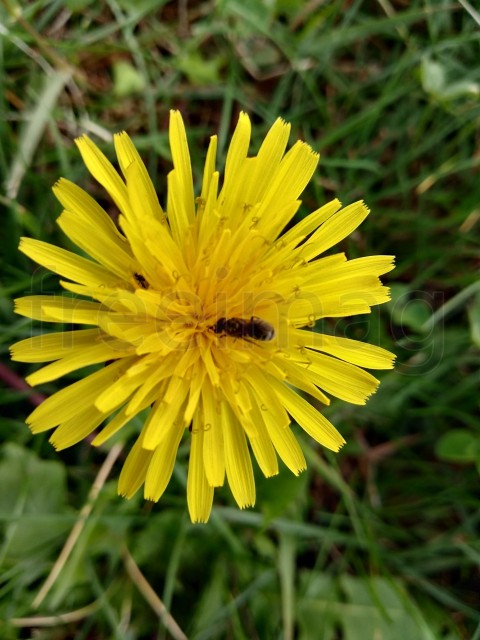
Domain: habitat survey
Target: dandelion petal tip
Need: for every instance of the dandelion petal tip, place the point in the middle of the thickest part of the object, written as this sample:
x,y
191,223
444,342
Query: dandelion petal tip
x,y
80,139
247,505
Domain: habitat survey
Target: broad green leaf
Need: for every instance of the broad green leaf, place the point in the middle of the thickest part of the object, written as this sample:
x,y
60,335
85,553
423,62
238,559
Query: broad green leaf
x,y
459,445
126,79
32,501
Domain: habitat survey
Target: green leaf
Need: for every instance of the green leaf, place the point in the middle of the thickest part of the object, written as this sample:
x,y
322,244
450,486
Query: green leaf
x,y
275,495
126,79
459,445
432,75
198,70
38,484
381,609
32,500
407,311
316,608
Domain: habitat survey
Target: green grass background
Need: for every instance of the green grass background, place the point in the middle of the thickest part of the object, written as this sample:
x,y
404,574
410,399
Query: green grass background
x,y
378,542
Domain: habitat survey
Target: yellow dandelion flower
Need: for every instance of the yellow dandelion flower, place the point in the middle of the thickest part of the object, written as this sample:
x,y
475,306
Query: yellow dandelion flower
x,y
197,312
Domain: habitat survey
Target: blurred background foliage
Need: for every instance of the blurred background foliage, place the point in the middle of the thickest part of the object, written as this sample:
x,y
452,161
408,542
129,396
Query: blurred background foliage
x,y
378,542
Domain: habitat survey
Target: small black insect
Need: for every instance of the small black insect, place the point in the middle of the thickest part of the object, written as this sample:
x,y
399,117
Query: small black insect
x,y
255,328
140,280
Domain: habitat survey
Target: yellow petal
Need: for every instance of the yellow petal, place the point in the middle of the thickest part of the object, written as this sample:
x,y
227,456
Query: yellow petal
x,y
52,346
181,205
162,463
128,157
349,295
208,173
103,171
63,405
341,379
261,444
310,223
373,265
171,258
335,229
112,427
152,387
134,470
207,217
154,230
82,214
362,354
287,446
104,249
77,428
237,460
293,362
65,263
267,161
232,195
213,447
277,422
293,175
92,354
196,386
199,492
164,415
151,264
239,400
119,391
76,200
311,420
59,309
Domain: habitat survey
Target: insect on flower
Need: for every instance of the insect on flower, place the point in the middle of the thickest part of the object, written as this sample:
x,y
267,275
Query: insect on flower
x,y
254,328
140,280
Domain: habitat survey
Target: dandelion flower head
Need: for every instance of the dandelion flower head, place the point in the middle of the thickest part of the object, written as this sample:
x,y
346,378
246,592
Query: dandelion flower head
x,y
201,314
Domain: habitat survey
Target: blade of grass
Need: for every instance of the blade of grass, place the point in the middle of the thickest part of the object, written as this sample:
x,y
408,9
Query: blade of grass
x,y
32,132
